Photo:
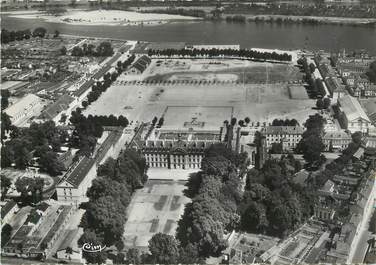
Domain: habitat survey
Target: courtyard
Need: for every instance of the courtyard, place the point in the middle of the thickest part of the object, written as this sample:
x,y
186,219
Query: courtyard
x,y
155,208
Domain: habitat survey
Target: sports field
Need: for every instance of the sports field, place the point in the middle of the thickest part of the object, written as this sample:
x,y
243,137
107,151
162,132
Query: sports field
x,y
155,208
260,102
221,70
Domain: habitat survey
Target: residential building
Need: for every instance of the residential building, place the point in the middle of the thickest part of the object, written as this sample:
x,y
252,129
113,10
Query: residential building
x,y
139,66
36,240
79,177
288,136
352,115
63,106
24,109
336,140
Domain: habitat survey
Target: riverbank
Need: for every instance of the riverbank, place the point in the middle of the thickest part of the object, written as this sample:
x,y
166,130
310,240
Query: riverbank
x,y
312,20
101,17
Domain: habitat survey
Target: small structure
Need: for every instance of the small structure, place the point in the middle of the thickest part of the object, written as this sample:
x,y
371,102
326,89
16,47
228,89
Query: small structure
x,y
139,66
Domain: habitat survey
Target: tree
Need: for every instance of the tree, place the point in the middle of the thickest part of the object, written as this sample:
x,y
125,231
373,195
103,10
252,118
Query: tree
x,y
88,237
247,120
233,121
164,249
5,94
319,103
39,32
49,163
5,234
160,122
5,185
357,137
326,103
154,121
241,123
56,34
63,50
133,256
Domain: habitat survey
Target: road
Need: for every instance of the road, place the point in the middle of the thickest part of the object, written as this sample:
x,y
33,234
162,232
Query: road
x,y
359,246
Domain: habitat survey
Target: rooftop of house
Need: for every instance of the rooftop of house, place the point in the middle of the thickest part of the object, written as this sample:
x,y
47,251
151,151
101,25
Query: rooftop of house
x,y
80,171
337,135
352,109
284,130
55,108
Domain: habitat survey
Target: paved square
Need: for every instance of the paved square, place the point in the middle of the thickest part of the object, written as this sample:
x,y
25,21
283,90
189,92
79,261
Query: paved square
x,y
155,208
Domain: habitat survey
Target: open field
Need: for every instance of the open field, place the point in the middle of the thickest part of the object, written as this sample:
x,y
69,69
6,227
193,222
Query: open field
x,y
201,117
221,70
260,102
155,208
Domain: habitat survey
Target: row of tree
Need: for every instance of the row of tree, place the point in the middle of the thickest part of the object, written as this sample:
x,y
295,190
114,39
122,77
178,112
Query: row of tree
x,y
109,196
315,86
286,122
242,53
104,49
10,36
99,87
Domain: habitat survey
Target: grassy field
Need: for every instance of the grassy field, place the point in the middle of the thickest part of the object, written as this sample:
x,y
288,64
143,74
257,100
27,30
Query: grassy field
x,y
155,208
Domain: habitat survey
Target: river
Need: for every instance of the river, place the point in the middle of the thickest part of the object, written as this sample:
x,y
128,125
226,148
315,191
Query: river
x,y
264,35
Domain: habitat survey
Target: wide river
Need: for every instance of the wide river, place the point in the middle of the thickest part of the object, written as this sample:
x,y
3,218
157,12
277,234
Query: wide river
x,y
296,36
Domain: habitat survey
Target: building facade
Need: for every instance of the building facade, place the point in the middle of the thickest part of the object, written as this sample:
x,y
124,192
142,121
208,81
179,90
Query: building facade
x,y
288,136
178,149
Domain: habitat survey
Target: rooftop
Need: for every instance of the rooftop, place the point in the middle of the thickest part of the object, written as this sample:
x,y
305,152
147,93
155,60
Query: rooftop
x,y
55,108
7,207
78,174
284,130
352,108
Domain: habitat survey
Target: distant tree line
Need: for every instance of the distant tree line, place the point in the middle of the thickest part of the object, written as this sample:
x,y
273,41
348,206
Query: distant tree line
x,y
242,53
109,197
178,11
104,49
10,36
